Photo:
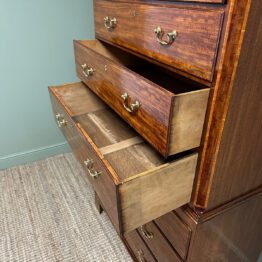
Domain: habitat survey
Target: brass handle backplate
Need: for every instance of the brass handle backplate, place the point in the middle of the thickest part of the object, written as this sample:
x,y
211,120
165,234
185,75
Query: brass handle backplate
x,y
140,254
87,71
89,163
60,120
110,23
133,107
146,234
171,36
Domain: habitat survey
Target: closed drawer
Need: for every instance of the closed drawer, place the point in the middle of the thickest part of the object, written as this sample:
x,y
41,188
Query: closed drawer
x,y
157,243
194,33
131,179
137,247
176,231
167,112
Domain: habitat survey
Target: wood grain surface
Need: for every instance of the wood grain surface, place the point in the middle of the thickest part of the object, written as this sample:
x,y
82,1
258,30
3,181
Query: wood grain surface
x,y
217,114
128,185
232,236
171,116
198,31
105,127
109,85
157,192
176,231
188,116
77,98
239,168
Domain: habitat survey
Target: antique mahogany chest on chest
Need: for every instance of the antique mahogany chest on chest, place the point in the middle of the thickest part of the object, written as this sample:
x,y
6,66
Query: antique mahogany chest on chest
x,y
167,122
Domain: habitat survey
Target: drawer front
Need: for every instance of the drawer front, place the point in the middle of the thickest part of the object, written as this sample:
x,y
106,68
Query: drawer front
x,y
83,151
176,231
137,247
157,243
128,185
194,33
152,117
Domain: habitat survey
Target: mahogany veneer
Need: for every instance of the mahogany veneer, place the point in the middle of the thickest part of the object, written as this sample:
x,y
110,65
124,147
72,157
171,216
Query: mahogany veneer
x,y
198,33
171,113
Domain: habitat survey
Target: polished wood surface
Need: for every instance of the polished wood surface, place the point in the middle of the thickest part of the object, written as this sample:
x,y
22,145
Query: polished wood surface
x,y
176,231
239,167
231,236
170,117
111,84
128,185
230,160
198,30
158,244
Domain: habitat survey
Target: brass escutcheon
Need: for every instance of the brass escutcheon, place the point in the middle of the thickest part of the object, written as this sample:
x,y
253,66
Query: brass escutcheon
x,y
140,254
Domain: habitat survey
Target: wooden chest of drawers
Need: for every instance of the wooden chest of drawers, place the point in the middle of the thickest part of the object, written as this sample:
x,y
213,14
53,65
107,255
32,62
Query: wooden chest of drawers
x,y
168,117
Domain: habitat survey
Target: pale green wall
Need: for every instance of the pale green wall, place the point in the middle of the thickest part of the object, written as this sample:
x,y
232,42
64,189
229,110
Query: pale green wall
x,y
36,50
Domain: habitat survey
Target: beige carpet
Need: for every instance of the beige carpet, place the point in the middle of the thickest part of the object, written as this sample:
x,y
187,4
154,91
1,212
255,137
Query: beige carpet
x,y
47,213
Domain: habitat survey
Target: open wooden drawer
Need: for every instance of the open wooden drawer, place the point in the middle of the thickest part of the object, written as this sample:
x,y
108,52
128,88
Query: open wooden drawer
x,y
134,183
167,112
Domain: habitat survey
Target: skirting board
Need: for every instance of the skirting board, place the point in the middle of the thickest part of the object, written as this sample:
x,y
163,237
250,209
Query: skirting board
x,y
33,155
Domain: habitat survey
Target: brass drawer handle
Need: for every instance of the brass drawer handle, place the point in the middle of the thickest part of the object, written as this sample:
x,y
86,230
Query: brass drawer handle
x,y
146,234
89,163
60,120
140,254
133,107
109,23
171,36
87,71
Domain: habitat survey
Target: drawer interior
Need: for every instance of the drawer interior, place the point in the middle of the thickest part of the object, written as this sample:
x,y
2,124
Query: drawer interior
x,y
158,75
142,176
119,144
114,138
